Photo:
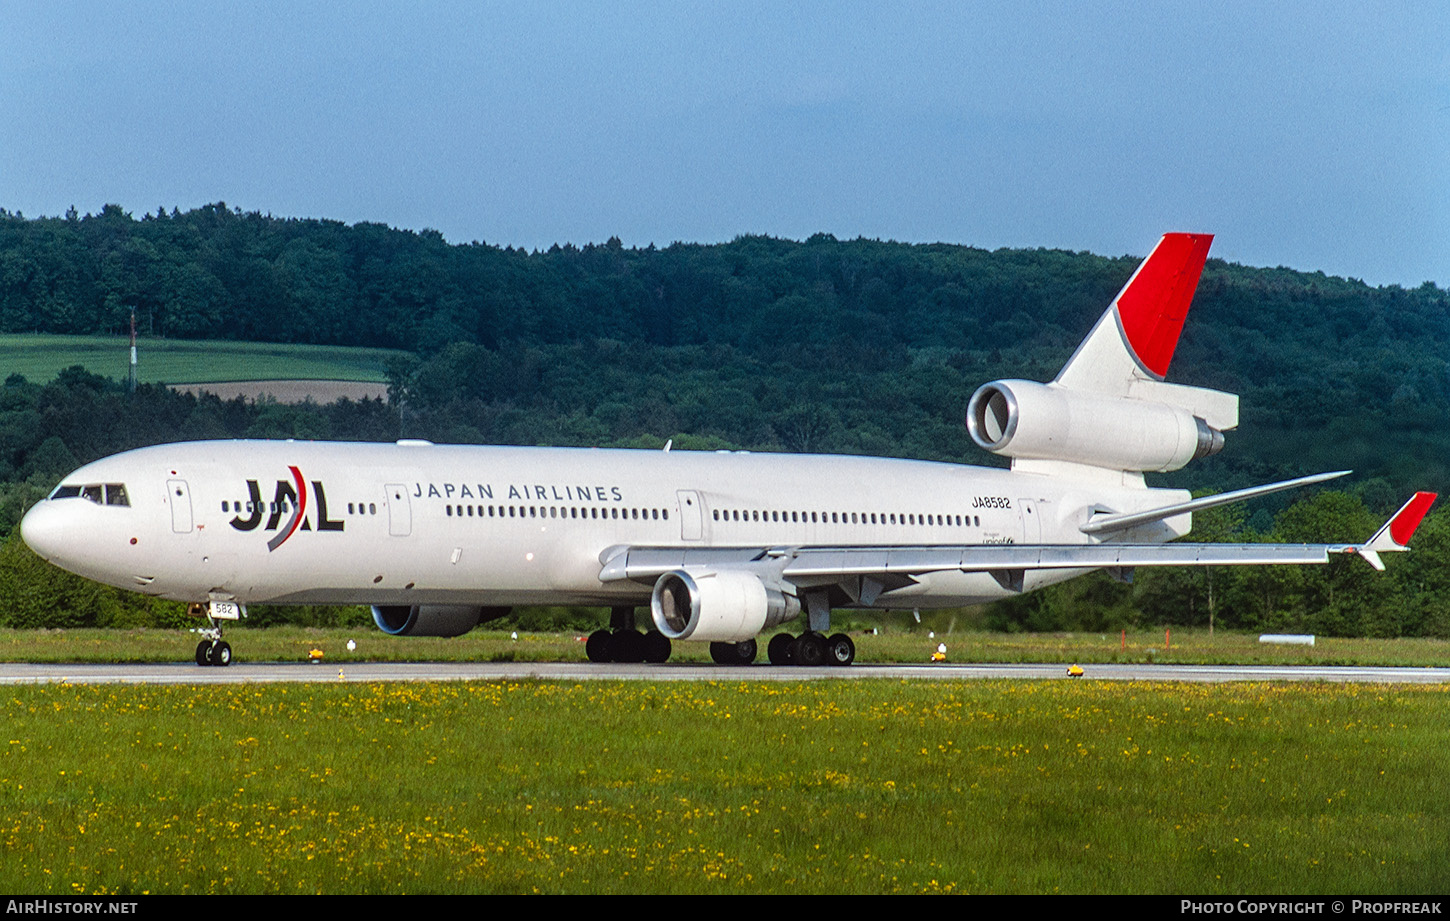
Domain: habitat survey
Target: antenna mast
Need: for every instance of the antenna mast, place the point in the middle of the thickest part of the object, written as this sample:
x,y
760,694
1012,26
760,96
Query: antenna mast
x,y
131,381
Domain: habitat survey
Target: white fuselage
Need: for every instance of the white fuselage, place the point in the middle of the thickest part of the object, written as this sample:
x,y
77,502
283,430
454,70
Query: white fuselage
x,y
415,523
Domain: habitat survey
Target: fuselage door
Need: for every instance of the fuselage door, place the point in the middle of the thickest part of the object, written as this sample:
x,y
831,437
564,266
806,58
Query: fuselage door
x,y
1031,525
692,519
400,510
180,498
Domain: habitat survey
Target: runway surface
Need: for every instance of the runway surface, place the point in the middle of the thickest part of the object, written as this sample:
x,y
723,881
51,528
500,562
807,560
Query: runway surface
x,y
263,673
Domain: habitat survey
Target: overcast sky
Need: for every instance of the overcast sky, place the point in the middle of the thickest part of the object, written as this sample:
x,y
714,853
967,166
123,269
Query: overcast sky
x,y
1313,134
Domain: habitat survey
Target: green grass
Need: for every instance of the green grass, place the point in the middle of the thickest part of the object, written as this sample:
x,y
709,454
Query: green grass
x,y
40,357
293,644
739,787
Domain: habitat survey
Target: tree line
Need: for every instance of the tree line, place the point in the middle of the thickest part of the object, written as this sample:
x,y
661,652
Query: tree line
x,y
822,345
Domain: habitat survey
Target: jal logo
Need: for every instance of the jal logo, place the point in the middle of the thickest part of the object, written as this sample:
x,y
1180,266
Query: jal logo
x,y
290,497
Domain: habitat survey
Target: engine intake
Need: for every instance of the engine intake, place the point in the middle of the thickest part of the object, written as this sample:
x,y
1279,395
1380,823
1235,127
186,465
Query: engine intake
x,y
719,606
1039,421
432,619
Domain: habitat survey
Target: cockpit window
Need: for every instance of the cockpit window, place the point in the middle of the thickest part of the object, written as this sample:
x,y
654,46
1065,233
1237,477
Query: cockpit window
x,y
99,493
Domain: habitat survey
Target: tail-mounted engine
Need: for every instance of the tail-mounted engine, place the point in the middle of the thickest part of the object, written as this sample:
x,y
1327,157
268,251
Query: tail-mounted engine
x,y
432,619
1025,419
725,606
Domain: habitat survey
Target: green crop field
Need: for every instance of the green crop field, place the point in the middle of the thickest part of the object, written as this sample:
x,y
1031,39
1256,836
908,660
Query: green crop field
x,y
732,787
173,361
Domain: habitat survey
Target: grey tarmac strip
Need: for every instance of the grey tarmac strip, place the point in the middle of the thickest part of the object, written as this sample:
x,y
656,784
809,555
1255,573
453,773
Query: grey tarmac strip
x,y
266,673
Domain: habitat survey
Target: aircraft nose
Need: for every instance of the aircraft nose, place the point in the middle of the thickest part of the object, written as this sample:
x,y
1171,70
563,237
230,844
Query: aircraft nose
x,y
42,531
51,529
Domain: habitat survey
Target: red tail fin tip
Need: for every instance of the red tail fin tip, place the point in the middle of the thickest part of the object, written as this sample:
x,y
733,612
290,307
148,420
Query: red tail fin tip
x,y
1408,518
1153,304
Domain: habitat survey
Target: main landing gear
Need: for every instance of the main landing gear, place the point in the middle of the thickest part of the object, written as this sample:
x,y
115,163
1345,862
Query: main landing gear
x,y
622,642
213,650
811,649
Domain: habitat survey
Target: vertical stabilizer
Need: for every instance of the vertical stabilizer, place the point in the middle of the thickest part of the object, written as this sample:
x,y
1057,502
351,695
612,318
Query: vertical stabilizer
x,y
1136,336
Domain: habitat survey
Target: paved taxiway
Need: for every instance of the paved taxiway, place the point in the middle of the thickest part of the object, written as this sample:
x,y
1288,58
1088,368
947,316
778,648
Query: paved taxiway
x,y
263,673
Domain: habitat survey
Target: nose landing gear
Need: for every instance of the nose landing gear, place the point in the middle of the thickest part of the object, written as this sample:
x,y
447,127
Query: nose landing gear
x,y
213,650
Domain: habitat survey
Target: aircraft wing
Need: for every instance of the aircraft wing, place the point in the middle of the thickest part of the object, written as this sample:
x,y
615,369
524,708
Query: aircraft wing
x,y
893,567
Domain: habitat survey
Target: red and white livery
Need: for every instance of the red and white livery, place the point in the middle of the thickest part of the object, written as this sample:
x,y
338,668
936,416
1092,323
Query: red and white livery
x,y
721,546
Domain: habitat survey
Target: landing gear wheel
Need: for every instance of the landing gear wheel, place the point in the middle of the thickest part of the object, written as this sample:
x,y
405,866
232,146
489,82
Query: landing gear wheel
x,y
840,650
733,653
597,646
220,654
779,649
627,646
657,647
203,652
809,650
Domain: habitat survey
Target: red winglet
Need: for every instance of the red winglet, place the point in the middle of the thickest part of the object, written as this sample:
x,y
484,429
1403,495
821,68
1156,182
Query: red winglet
x,y
1154,302
1408,518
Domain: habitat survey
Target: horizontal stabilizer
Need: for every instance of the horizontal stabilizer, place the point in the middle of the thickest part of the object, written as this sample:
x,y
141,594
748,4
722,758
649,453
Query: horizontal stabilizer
x,y
1108,523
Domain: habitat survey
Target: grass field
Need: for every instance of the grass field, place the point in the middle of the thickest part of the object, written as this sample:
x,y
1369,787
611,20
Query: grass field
x,y
40,357
293,644
740,787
